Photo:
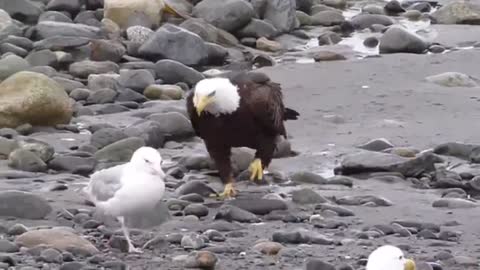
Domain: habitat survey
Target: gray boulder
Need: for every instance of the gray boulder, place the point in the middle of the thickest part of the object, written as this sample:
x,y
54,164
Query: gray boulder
x,y
257,29
48,29
55,16
281,14
60,43
5,20
175,43
100,81
229,15
102,96
398,40
12,64
73,164
363,21
23,10
458,13
85,68
216,53
151,132
172,72
7,26
136,80
307,196
173,125
68,84
106,50
10,48
106,136
71,6
369,161
453,79
120,151
6,147
25,160
42,58
327,18
304,5
21,204
42,149
202,28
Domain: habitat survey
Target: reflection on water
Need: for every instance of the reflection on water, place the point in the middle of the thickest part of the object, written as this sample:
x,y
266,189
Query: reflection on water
x,y
305,60
421,28
352,12
356,42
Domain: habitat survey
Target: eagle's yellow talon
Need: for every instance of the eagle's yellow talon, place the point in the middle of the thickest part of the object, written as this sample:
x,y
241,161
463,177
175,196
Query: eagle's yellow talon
x,y
256,170
228,192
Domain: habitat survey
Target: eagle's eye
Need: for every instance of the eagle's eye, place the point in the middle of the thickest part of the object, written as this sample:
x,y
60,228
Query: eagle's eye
x,y
211,94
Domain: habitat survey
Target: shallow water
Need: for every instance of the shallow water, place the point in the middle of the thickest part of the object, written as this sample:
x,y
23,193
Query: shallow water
x,y
422,28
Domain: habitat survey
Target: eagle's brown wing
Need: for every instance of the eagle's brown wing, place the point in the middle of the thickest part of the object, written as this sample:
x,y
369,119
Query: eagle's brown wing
x,y
265,101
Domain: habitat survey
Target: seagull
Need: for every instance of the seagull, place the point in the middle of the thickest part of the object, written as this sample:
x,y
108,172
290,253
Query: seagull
x,y
129,188
389,257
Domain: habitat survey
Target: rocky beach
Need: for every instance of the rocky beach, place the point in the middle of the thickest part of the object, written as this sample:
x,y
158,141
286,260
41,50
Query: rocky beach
x,y
385,150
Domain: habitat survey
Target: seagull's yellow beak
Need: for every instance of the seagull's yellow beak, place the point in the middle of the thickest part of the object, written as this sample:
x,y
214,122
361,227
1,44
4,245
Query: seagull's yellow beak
x,y
409,265
202,102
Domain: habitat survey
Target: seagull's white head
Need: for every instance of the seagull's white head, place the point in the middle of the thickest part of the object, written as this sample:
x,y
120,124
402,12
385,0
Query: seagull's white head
x,y
216,96
148,159
389,257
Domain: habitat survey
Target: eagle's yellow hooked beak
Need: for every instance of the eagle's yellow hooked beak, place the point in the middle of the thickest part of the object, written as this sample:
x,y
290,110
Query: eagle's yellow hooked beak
x,y
410,265
202,102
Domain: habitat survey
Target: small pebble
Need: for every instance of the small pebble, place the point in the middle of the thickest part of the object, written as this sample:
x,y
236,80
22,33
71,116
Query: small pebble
x,y
51,255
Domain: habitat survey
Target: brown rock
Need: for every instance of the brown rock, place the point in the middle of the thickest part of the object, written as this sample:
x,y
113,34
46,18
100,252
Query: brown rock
x,y
201,259
328,56
163,92
268,45
57,238
268,248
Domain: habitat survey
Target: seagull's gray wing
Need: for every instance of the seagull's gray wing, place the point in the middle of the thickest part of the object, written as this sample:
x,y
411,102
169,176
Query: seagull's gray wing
x,y
104,183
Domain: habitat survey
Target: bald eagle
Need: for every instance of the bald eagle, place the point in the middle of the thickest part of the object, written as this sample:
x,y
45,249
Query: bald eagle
x,y
389,257
239,110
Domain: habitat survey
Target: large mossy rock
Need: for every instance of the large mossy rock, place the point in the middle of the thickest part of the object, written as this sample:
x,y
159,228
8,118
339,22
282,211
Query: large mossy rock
x,y
30,97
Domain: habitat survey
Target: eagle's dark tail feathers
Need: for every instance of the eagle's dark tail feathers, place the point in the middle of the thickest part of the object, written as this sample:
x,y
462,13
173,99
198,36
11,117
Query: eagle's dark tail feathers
x,y
291,114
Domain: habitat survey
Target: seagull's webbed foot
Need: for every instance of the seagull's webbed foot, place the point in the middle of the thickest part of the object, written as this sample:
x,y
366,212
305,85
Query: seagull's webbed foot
x,y
132,249
256,170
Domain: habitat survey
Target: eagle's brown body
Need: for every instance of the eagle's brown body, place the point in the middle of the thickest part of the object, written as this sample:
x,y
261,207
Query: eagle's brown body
x,y
256,123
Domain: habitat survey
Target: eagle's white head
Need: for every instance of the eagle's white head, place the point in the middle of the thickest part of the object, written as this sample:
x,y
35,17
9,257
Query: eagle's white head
x,y
389,257
216,96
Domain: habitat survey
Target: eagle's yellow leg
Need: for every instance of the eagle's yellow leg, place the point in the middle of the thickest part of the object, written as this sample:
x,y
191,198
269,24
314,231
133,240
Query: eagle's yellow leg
x,y
228,192
256,170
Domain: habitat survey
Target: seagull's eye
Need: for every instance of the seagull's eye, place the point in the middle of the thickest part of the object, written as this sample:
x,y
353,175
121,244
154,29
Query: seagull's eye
x,y
147,161
211,94
401,257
